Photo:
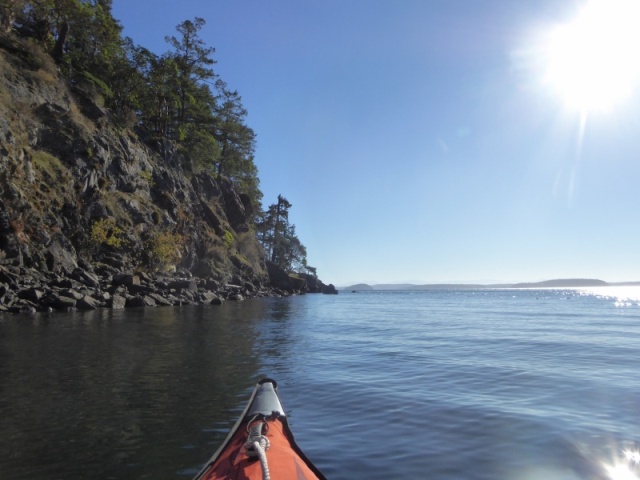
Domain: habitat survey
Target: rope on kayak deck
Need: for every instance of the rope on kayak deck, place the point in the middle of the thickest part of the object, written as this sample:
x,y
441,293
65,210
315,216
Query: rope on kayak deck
x,y
257,445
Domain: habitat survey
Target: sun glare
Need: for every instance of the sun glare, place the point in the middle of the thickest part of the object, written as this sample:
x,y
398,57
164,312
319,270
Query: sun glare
x,y
593,62
624,469
620,472
633,456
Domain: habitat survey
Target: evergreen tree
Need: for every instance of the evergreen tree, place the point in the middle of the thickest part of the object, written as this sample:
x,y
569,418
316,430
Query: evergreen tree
x,y
160,101
129,84
278,237
94,41
294,253
237,143
192,61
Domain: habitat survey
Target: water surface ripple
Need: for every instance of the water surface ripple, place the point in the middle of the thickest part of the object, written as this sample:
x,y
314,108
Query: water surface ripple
x,y
454,384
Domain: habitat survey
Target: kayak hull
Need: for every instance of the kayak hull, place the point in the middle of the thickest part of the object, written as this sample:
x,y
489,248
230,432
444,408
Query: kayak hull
x,y
285,459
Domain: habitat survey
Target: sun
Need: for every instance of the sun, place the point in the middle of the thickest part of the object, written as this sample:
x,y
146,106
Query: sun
x,y
593,62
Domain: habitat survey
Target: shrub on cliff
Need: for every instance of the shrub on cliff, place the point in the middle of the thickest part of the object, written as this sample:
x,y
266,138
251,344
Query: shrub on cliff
x,y
105,232
164,250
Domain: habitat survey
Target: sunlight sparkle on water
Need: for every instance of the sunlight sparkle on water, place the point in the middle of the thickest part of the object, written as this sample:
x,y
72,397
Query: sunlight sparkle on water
x,y
620,472
624,296
632,456
624,469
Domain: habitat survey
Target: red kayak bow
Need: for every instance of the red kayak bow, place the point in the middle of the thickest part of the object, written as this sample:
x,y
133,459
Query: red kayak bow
x,y
260,446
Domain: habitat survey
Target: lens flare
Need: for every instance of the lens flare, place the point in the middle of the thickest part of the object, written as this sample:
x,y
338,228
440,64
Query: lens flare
x,y
593,61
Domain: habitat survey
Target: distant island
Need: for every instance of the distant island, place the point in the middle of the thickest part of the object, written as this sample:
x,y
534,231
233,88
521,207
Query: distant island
x,y
557,283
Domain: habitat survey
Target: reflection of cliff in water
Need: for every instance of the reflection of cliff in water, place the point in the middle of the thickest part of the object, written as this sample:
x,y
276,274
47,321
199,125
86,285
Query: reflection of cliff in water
x,y
128,394
275,338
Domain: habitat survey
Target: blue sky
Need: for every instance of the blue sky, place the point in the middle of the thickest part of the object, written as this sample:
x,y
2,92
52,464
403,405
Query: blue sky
x,y
419,140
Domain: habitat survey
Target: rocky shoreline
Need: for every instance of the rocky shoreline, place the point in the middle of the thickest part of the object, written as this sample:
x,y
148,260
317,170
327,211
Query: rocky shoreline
x,y
26,290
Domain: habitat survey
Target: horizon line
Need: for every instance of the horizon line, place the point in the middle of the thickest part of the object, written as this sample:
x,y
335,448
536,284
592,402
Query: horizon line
x,y
499,283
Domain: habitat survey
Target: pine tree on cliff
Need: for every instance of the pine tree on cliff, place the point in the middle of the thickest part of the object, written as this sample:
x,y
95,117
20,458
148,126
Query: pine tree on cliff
x,y
192,61
210,127
278,237
236,142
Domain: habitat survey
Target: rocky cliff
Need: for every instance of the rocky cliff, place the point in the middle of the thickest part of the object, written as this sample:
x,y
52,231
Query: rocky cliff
x,y
81,198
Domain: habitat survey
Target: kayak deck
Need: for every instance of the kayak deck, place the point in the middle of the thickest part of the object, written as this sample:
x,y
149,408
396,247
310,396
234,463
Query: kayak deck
x,y
263,423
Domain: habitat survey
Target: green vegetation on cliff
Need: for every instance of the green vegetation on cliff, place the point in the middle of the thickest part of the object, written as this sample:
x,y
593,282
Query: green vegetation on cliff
x,y
173,97
116,156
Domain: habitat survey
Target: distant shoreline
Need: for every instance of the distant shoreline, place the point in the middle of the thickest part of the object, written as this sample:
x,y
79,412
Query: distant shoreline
x,y
557,283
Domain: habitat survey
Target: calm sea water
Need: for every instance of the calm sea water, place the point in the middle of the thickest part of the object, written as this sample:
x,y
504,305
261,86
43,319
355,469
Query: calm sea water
x,y
487,384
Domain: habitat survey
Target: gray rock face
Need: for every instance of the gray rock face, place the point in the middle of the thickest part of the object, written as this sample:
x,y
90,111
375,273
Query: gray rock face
x,y
80,188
